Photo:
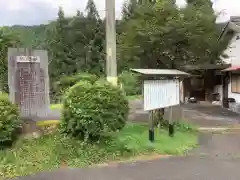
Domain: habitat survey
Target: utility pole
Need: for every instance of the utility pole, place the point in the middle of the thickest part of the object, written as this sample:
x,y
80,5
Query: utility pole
x,y
111,42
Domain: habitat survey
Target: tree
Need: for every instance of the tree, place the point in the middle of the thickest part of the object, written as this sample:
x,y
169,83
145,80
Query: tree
x,y
164,36
95,47
78,38
6,41
59,47
128,9
129,6
29,36
199,3
205,25
76,43
144,42
79,14
91,10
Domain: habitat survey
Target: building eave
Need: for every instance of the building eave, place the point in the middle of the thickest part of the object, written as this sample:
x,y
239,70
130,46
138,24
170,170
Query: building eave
x,y
229,26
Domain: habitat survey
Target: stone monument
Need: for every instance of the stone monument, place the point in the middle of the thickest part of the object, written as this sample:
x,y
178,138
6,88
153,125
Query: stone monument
x,y
28,81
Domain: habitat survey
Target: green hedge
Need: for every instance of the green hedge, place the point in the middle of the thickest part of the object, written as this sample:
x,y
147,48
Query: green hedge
x,y
93,109
131,83
65,82
9,121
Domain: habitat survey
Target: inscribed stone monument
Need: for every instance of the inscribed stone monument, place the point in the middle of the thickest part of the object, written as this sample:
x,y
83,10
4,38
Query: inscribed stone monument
x,y
28,81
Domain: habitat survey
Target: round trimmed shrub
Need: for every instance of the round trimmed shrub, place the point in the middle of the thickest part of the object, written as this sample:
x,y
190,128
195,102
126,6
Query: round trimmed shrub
x,y
9,121
92,109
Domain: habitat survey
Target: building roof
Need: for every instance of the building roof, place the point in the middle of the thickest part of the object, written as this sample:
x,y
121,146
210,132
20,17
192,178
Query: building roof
x,y
235,19
233,24
233,68
161,72
206,67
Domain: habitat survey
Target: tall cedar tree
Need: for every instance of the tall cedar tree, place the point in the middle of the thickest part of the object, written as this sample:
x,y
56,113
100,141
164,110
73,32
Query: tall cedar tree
x,y
58,46
78,38
95,48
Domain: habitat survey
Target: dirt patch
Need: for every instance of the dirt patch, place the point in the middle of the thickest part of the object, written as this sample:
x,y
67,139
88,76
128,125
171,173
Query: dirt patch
x,y
35,129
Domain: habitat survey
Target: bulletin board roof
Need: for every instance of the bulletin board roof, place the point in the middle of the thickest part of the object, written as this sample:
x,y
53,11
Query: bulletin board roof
x,y
161,72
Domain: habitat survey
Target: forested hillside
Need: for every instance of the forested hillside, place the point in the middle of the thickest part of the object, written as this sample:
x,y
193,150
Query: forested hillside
x,y
28,35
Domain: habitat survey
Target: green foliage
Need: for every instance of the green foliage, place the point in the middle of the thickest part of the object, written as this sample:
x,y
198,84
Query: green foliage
x,y
65,82
60,59
128,9
91,10
29,36
178,125
76,43
53,151
91,110
161,35
131,83
6,40
9,121
200,3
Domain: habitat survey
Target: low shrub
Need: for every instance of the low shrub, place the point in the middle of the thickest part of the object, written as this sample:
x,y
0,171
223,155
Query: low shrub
x,y
9,121
93,109
131,83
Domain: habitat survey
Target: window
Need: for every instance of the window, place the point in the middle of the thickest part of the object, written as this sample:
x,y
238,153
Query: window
x,y
235,83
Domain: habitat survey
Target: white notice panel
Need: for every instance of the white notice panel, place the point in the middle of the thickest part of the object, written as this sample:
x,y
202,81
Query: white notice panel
x,y
28,59
161,94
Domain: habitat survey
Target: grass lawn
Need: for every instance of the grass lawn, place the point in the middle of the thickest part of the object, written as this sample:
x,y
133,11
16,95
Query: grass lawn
x,y
59,106
53,151
56,106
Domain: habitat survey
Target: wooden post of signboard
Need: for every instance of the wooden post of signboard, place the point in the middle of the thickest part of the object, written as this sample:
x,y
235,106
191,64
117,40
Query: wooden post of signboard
x,y
171,121
171,124
160,117
151,126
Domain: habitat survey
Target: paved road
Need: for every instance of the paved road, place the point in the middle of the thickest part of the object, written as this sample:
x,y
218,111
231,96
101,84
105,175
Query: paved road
x,y
217,158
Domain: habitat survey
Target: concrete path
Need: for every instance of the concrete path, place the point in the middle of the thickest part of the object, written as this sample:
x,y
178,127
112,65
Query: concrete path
x,y
204,115
209,115
217,158
200,114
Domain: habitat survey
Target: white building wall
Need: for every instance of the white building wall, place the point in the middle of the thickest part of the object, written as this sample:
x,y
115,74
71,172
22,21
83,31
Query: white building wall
x,y
233,53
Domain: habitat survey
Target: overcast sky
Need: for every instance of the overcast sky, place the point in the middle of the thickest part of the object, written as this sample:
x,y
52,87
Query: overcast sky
x,y
31,12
